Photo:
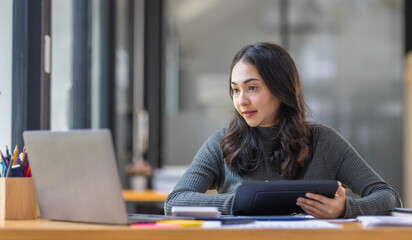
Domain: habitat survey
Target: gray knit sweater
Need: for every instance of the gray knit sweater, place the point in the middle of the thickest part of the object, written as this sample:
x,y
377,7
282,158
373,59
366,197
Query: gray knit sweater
x,y
332,158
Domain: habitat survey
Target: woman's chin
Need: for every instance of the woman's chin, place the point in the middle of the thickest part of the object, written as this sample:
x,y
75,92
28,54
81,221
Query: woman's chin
x,y
252,124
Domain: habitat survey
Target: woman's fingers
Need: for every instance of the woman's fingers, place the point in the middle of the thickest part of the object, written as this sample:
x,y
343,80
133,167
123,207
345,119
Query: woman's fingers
x,y
323,207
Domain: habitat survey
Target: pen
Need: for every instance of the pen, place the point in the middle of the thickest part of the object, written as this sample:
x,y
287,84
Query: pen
x,y
2,156
15,153
7,151
28,172
4,160
8,171
24,165
7,155
4,167
1,169
12,161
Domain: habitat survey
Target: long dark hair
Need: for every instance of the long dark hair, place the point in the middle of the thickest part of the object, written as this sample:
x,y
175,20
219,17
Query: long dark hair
x,y
241,144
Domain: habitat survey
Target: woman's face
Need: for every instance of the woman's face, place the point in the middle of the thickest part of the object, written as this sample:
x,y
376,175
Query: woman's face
x,y
251,97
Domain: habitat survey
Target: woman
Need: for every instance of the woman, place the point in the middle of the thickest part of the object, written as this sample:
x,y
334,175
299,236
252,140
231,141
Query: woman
x,y
269,139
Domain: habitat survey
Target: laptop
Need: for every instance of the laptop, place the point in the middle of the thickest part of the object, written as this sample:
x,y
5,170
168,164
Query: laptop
x,y
76,179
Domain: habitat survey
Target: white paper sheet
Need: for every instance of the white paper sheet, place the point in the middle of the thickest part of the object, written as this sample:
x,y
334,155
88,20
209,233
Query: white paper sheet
x,y
305,224
376,221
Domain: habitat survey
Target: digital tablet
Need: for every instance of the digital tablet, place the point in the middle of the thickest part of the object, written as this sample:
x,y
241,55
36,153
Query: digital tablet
x,y
262,198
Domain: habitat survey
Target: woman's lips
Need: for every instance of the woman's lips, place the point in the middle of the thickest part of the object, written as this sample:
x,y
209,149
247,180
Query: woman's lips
x,y
248,113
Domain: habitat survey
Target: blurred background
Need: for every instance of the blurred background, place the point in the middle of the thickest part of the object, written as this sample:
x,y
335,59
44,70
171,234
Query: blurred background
x,y
155,72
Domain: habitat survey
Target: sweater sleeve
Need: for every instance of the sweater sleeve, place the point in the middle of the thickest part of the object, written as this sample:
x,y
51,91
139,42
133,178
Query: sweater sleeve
x,y
203,173
376,196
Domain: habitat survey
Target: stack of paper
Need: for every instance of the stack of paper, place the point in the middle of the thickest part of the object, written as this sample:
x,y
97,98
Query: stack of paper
x,y
197,212
402,212
375,221
309,224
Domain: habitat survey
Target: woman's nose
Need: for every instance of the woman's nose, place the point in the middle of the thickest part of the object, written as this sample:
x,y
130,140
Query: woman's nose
x,y
243,99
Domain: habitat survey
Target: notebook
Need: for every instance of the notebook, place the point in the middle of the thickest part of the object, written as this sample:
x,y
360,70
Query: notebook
x,y
76,179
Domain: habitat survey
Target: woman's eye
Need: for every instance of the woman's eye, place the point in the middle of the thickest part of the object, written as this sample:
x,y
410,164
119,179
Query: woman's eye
x,y
253,87
234,90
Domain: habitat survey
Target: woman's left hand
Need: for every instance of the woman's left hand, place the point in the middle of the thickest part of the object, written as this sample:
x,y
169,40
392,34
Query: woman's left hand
x,y
320,206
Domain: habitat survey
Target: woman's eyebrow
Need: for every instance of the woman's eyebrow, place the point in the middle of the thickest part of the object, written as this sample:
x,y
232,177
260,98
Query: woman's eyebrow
x,y
247,80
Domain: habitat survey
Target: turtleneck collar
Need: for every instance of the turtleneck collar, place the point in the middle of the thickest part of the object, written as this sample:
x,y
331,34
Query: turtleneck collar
x,y
268,133
269,137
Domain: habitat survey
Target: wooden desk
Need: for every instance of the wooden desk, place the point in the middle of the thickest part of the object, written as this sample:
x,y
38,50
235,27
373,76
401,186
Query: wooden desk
x,y
144,201
143,196
43,229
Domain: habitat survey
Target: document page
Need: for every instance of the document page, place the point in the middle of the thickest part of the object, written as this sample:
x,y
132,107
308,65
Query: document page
x,y
309,224
375,221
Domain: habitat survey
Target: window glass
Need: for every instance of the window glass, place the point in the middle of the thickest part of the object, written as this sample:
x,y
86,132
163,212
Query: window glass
x,y
61,74
62,66
350,58
96,70
201,38
6,34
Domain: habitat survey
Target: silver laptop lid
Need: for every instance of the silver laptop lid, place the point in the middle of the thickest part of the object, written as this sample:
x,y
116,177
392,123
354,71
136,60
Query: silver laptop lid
x,y
75,176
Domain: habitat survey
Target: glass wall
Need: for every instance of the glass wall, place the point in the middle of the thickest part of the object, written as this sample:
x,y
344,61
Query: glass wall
x,y
96,67
123,86
349,55
62,64
6,34
61,70
201,38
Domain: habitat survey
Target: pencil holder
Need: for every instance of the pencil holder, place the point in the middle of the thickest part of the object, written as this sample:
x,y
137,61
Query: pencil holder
x,y
17,199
